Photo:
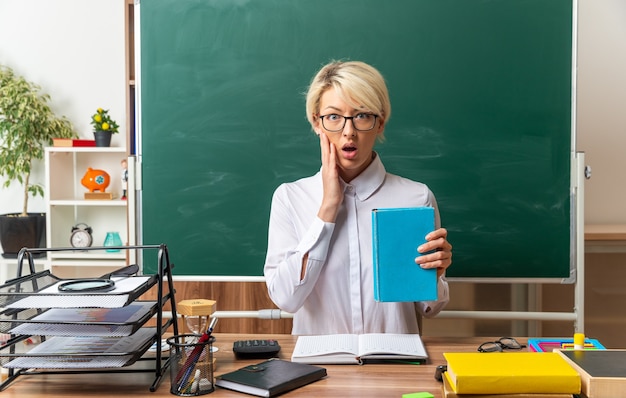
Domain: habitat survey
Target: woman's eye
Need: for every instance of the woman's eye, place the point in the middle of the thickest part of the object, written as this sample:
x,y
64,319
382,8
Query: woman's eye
x,y
333,117
362,116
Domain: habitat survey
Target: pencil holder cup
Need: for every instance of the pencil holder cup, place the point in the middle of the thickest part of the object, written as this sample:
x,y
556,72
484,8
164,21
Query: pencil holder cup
x,y
191,365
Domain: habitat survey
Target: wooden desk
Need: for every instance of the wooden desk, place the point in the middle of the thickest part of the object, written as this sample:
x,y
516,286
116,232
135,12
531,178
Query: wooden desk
x,y
386,380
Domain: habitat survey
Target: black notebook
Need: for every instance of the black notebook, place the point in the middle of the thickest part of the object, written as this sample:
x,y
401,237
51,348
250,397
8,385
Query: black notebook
x,y
270,378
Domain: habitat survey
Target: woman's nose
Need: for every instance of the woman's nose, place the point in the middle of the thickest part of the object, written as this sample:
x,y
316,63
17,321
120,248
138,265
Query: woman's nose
x,y
348,128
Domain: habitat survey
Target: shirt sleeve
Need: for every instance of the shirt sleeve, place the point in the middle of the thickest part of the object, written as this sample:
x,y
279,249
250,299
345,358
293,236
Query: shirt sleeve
x,y
431,308
286,251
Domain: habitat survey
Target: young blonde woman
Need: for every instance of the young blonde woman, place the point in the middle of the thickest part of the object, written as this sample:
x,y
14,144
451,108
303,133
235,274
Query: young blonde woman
x,y
319,257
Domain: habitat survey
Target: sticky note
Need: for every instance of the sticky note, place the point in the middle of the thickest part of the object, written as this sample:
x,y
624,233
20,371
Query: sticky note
x,y
418,395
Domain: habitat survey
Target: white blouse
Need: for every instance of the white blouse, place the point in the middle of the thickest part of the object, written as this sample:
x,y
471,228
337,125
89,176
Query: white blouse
x,y
337,292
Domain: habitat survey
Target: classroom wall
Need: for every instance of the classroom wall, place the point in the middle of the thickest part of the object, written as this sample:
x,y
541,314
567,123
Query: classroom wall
x,y
601,117
73,49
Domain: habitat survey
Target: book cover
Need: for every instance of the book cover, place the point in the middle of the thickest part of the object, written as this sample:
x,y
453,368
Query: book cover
x,y
72,142
270,378
396,235
550,344
511,373
358,348
448,392
602,372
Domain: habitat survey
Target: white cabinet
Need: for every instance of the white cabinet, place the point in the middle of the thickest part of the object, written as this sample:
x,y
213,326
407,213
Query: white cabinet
x,y
67,206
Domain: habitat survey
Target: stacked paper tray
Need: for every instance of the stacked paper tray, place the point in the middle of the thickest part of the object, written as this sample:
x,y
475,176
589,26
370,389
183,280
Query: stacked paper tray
x,y
81,352
108,322
40,290
77,329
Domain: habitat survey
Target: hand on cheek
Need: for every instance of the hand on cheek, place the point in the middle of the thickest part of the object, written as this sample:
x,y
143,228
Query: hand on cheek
x,y
333,194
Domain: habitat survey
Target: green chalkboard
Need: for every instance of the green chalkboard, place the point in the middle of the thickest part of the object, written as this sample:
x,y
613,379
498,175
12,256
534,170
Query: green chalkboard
x,y
482,102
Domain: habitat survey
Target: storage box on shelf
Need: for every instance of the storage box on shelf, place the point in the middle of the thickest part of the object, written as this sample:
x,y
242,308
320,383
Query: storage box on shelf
x,y
67,206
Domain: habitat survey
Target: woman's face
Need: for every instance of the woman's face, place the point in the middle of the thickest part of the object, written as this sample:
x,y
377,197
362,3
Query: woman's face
x,y
354,147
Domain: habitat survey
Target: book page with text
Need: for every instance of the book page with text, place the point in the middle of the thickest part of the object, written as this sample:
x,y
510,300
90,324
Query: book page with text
x,y
387,343
328,344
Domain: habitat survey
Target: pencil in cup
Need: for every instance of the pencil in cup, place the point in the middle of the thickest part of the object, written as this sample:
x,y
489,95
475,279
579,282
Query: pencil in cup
x,y
191,365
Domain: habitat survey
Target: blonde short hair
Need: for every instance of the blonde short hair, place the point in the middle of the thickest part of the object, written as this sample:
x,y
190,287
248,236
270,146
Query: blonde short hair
x,y
356,83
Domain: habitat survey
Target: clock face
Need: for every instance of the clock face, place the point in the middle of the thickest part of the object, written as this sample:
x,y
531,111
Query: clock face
x,y
80,238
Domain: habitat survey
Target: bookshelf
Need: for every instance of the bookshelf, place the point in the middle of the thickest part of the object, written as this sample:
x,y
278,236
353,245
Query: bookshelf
x,y
66,206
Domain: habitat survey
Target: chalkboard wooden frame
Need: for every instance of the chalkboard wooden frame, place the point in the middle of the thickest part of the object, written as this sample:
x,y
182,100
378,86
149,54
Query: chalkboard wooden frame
x,y
482,112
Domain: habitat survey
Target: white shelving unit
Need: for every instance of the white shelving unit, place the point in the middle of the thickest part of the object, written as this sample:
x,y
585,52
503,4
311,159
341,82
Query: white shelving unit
x,y
66,205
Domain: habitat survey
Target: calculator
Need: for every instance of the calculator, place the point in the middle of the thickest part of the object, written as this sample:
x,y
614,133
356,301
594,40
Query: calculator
x,y
265,348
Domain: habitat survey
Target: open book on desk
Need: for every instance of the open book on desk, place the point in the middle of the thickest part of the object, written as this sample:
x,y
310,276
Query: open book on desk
x,y
358,348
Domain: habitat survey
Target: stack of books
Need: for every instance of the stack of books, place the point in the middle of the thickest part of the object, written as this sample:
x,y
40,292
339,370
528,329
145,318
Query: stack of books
x,y
72,142
509,374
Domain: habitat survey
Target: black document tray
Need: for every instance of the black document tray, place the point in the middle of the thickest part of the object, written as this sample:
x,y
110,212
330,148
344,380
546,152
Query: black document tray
x,y
37,287
80,359
78,322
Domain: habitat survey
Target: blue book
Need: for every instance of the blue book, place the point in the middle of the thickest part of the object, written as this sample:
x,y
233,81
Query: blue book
x,y
396,235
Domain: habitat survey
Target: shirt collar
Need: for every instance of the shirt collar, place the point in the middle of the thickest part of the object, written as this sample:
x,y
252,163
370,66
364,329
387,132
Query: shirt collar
x,y
368,182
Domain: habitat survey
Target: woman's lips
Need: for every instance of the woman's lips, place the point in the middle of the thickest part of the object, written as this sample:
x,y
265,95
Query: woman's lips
x,y
349,151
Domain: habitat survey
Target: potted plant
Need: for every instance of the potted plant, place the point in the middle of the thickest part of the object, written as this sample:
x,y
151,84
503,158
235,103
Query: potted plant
x,y
27,125
104,126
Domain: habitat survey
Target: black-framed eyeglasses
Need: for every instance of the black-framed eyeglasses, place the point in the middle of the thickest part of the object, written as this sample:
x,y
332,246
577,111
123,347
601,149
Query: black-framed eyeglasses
x,y
361,121
503,343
